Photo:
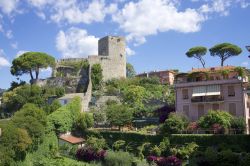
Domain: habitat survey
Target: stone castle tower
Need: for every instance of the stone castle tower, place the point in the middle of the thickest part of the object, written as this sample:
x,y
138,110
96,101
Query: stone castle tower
x,y
111,56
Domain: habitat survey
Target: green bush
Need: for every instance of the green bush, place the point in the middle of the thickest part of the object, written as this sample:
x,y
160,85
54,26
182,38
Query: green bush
x,y
63,119
96,76
238,124
119,158
215,117
96,143
174,124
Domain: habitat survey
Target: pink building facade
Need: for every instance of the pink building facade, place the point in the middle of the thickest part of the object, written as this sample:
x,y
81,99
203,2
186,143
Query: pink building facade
x,y
220,88
165,76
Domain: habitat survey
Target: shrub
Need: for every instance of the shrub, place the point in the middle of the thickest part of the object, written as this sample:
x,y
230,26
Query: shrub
x,y
215,117
185,152
62,120
96,144
89,154
84,121
164,161
192,126
238,124
174,124
96,76
227,157
245,159
118,145
118,158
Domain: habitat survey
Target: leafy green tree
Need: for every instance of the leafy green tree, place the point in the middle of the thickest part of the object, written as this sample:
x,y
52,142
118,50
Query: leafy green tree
x,y
238,124
198,53
134,96
55,105
14,145
30,62
99,116
14,84
32,119
225,51
119,158
96,76
96,143
130,71
63,119
119,115
215,117
174,124
84,121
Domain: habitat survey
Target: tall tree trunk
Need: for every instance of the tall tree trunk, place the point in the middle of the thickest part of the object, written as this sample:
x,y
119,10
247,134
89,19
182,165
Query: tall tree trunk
x,y
37,73
31,75
203,63
222,62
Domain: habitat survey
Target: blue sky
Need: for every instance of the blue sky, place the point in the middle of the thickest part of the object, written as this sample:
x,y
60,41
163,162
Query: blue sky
x,y
158,32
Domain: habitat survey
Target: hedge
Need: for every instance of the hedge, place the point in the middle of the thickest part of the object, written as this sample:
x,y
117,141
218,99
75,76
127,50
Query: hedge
x,y
62,120
203,140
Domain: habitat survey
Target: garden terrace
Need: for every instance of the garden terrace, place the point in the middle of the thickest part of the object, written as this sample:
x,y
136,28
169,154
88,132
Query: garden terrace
x,y
211,76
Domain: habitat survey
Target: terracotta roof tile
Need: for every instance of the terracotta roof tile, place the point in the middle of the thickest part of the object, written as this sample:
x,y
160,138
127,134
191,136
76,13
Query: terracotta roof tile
x,y
71,139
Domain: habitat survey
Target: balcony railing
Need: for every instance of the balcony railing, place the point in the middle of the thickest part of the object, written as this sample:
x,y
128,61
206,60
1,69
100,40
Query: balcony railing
x,y
207,99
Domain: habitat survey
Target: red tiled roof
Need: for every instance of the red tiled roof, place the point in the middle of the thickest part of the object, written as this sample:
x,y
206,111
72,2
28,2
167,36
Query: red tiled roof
x,y
71,139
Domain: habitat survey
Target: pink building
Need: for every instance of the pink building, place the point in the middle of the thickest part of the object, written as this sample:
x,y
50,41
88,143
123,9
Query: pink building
x,y
165,76
219,88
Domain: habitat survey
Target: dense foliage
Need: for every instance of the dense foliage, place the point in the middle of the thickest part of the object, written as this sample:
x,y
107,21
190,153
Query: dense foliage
x,y
118,158
130,71
174,124
84,121
198,53
119,115
33,120
16,98
96,76
63,119
30,62
217,120
225,51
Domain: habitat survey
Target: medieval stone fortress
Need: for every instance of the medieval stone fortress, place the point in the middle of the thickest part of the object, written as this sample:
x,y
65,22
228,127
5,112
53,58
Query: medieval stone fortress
x,y
74,73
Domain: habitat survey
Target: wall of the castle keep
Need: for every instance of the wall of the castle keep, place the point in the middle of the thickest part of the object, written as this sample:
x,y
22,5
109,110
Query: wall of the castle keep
x,y
112,57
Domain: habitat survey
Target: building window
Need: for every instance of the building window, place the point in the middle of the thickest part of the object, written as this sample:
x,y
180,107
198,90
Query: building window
x,y
185,93
200,110
232,109
186,110
231,91
215,107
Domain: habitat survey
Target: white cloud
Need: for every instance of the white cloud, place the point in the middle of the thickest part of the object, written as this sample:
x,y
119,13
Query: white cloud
x,y
3,61
9,34
129,51
41,15
20,53
47,70
75,11
14,45
8,6
245,64
76,42
39,3
217,6
147,17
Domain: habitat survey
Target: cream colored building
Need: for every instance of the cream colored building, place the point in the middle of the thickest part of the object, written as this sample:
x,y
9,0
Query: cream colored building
x,y
220,88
